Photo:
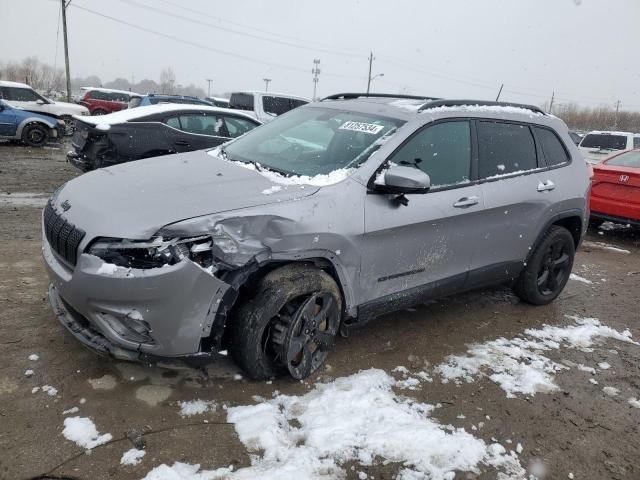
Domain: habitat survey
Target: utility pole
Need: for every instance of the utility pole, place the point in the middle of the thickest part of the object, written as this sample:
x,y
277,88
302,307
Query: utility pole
x,y
66,47
369,77
209,80
499,92
615,122
553,96
315,71
266,84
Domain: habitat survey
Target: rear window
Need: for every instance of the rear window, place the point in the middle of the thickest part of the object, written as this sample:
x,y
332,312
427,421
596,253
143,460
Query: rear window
x,y
276,105
241,101
604,141
505,148
628,159
554,152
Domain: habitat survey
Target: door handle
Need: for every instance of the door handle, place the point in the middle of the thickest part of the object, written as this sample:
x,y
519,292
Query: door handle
x,y
182,143
466,202
546,186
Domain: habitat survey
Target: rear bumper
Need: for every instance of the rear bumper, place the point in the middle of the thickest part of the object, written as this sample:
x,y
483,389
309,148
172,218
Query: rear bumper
x,y
135,314
623,211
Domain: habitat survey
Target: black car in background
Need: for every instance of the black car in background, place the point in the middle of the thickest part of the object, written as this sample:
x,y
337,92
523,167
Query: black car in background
x,y
153,131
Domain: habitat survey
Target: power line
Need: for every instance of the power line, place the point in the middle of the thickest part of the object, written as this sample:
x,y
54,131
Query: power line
x,y
250,27
197,45
236,32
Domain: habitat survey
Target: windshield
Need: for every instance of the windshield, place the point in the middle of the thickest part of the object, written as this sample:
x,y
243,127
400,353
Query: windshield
x,y
628,159
313,141
605,142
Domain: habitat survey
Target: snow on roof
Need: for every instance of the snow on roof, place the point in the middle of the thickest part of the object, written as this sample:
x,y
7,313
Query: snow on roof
x,y
109,90
485,109
126,115
6,83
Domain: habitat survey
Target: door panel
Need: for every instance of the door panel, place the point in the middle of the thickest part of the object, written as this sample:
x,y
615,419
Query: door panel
x,y
426,241
516,203
431,239
7,123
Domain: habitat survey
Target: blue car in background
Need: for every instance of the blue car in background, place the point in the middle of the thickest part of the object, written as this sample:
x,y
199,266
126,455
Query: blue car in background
x,y
154,99
34,129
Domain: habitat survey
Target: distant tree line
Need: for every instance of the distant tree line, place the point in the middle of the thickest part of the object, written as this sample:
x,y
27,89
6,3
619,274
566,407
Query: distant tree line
x,y
45,78
584,119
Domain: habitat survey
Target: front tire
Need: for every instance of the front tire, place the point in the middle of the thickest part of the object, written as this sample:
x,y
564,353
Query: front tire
x,y
548,269
98,112
35,135
296,307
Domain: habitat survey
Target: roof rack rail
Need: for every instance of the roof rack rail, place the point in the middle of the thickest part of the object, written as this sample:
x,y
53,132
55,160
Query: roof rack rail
x,y
351,96
481,103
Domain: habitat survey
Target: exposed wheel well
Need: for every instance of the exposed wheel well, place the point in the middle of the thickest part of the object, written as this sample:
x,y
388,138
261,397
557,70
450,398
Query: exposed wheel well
x,y
574,225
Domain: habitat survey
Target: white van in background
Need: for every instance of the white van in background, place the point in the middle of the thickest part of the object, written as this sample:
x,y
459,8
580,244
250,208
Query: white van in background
x,y
598,145
265,106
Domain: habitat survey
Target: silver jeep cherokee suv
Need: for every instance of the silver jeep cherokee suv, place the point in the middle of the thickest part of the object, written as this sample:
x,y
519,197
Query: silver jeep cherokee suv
x,y
328,216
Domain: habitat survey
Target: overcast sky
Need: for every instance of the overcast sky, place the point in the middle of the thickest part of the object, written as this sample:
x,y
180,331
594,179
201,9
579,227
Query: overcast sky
x,y
584,50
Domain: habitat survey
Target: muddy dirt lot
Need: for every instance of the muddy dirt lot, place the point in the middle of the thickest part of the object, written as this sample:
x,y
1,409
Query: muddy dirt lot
x,y
580,429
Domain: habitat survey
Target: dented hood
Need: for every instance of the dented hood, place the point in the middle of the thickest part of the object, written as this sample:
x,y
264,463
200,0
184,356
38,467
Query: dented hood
x,y
134,200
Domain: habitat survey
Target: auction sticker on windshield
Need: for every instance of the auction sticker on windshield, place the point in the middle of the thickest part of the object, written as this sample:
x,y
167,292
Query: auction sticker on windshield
x,y
362,127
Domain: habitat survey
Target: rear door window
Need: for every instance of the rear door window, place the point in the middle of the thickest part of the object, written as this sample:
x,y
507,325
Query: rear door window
x,y
443,151
200,124
636,142
504,148
554,152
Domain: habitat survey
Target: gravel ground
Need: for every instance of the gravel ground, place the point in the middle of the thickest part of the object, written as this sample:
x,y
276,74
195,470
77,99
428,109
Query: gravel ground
x,y
578,429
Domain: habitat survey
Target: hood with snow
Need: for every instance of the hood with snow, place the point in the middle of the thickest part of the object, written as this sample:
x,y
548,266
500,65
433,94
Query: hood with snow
x,y
134,200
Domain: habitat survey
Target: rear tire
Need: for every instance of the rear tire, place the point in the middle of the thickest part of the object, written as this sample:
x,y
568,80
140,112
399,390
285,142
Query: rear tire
x,y
548,268
261,324
35,135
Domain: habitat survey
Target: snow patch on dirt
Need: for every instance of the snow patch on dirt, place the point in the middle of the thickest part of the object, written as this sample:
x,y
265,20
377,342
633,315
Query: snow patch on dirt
x,y
518,365
196,407
578,278
83,432
132,457
357,418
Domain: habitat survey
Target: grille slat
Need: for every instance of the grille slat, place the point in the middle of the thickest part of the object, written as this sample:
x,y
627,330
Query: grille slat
x,y
63,237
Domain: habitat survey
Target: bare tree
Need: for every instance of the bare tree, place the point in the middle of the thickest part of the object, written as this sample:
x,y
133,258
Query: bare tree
x,y
167,80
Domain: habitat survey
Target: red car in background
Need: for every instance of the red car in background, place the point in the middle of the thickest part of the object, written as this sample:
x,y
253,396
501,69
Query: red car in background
x,y
615,188
101,101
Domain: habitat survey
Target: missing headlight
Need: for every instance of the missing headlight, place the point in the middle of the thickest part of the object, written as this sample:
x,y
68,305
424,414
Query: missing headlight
x,y
154,253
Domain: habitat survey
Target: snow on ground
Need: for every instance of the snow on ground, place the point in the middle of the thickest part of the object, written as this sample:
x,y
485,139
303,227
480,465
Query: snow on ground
x,y
518,365
634,402
611,391
28,373
82,431
578,278
196,407
70,410
132,457
605,246
49,390
34,357
357,418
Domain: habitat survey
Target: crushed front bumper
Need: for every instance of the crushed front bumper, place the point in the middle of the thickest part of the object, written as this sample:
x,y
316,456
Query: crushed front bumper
x,y
79,161
131,314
